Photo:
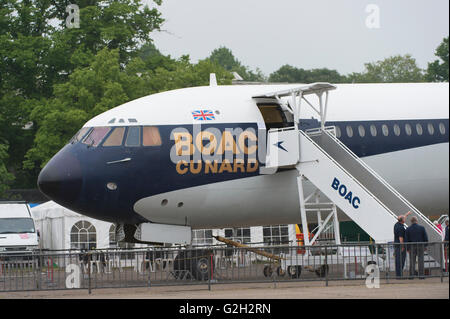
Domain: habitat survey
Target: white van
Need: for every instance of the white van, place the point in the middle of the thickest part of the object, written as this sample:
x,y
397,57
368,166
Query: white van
x,y
18,235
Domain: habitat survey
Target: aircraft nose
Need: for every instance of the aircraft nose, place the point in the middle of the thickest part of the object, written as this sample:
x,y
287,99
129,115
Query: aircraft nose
x,y
61,179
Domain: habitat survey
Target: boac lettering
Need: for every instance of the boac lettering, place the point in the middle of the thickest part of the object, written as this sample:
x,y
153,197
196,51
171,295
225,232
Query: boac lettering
x,y
342,190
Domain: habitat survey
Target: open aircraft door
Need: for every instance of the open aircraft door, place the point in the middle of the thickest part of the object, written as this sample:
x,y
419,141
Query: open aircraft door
x,y
282,121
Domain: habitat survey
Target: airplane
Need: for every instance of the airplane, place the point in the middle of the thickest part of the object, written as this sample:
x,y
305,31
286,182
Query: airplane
x,y
196,157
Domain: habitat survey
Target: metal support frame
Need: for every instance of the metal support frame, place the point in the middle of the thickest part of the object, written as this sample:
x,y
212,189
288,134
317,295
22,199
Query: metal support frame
x,y
301,95
313,201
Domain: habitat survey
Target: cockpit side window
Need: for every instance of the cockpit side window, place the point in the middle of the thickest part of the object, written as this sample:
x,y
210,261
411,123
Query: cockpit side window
x,y
96,136
151,136
81,133
133,136
115,138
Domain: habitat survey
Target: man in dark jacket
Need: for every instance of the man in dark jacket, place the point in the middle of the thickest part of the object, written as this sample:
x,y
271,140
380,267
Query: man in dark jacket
x,y
446,231
417,240
399,248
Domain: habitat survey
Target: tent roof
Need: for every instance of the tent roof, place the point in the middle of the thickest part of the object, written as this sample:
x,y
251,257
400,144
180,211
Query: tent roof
x,y
51,210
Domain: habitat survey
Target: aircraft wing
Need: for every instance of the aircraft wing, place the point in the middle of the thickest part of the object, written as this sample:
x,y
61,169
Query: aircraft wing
x,y
317,87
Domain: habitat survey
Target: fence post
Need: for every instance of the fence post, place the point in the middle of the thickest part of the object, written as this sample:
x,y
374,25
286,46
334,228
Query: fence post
x,y
89,272
209,271
41,261
145,267
388,258
326,266
273,270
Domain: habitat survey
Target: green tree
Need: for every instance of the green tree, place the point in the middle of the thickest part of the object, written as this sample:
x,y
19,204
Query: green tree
x,y
290,74
395,69
438,69
225,58
153,59
5,177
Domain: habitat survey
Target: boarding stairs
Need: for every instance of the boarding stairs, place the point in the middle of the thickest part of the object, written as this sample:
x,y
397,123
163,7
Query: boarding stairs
x,y
345,179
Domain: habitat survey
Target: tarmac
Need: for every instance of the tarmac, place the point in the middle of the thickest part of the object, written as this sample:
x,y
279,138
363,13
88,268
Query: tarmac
x,y
430,288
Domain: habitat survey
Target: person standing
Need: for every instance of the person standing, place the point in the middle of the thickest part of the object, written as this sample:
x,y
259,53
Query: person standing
x,y
446,231
399,248
439,226
416,237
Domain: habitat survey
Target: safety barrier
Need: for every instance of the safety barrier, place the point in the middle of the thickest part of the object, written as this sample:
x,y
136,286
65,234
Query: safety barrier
x,y
114,268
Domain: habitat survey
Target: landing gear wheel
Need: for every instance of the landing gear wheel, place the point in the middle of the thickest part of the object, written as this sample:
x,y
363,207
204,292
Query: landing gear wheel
x,y
200,267
268,271
322,271
294,271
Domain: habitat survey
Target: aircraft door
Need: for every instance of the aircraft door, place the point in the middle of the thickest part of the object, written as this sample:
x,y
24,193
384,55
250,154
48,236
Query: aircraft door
x,y
282,137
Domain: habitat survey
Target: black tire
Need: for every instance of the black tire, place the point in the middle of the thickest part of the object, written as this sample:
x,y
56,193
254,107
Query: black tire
x,y
268,271
200,264
294,271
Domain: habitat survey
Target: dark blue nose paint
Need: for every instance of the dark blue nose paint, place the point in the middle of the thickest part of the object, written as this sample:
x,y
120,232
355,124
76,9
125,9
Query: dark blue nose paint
x,y
61,179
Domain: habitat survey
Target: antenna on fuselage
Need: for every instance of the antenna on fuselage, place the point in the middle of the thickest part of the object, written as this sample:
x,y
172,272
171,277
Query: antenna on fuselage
x,y
212,79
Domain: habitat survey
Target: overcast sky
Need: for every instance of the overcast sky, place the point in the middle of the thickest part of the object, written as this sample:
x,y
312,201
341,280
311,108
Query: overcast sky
x,y
306,34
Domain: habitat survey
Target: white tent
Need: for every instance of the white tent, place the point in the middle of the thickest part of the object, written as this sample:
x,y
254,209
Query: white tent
x,y
56,223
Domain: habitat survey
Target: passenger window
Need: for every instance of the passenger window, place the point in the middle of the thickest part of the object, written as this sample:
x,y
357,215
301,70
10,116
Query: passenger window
x,y
385,129
338,132
419,129
115,138
442,128
96,136
430,128
133,136
362,131
397,130
373,130
349,131
80,134
151,136
408,129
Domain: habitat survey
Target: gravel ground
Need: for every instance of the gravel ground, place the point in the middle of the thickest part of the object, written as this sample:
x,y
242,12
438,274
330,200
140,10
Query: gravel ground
x,y
430,288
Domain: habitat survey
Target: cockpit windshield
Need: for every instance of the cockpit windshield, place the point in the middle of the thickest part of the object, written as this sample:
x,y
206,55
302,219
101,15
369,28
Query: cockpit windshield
x,y
96,135
80,134
116,137
131,136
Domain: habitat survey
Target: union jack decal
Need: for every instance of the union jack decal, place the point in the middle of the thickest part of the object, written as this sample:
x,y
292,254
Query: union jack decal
x,y
203,115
